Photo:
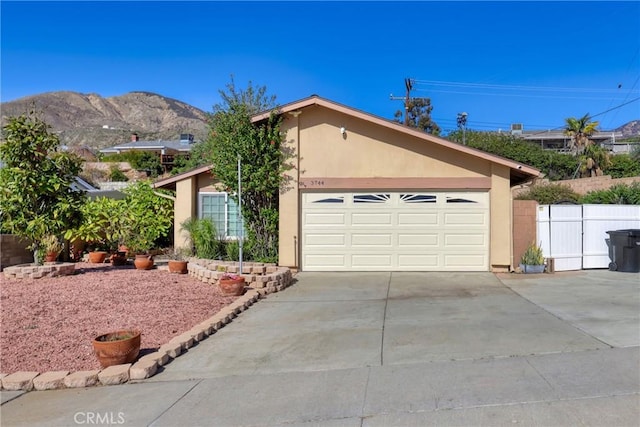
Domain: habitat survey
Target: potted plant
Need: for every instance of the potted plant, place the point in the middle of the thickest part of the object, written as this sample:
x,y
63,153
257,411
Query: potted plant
x,y
118,347
52,247
231,284
140,245
532,260
178,260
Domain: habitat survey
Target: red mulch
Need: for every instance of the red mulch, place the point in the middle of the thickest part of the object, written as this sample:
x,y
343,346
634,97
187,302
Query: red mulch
x,y
48,324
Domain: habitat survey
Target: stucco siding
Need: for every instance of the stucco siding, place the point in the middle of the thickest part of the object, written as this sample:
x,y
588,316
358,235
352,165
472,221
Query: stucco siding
x,y
500,248
368,150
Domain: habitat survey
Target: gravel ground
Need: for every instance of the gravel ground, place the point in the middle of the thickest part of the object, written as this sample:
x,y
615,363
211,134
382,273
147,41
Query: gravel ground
x,y
48,324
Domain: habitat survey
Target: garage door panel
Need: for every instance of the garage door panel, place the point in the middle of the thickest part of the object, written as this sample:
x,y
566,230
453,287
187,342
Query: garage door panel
x,y
380,219
323,240
465,218
423,240
464,260
421,219
410,261
371,260
371,240
336,218
327,261
465,240
386,231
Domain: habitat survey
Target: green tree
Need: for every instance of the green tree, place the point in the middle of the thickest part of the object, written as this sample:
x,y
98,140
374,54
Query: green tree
x,y
579,130
593,160
555,166
623,166
36,198
259,147
418,111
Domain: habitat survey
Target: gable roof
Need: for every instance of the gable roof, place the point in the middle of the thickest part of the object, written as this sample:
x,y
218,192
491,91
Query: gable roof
x,y
170,182
519,171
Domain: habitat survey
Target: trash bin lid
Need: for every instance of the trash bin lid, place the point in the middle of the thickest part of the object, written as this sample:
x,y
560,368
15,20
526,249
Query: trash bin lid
x,y
631,232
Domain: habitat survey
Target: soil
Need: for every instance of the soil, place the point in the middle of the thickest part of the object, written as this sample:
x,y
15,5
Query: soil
x,y
49,324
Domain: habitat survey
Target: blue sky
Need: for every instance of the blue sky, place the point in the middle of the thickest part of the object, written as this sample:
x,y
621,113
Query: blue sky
x,y
534,63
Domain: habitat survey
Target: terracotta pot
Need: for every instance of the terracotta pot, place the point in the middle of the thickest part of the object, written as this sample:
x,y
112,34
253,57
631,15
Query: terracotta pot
x,y
51,257
118,259
232,287
97,257
143,262
117,352
179,267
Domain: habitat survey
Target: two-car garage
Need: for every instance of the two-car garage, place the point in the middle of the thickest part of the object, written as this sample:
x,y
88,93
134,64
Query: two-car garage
x,y
395,231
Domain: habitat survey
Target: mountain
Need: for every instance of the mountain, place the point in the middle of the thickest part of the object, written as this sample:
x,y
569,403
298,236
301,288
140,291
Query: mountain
x,y
93,121
630,129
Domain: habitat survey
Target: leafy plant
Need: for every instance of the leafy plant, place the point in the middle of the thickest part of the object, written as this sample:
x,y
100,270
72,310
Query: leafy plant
x,y
620,194
549,194
116,175
149,216
623,166
51,244
203,236
36,198
533,255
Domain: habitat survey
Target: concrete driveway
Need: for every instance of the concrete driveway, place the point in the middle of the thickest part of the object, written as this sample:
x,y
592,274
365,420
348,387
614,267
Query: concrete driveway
x,y
374,349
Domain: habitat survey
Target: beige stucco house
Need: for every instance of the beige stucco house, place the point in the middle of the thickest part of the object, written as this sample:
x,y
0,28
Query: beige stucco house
x,y
370,194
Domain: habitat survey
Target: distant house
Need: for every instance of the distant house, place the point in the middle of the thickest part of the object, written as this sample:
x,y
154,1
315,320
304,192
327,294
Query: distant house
x,y
557,140
166,150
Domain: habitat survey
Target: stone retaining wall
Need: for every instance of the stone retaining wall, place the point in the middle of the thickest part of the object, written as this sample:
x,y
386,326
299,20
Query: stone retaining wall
x,y
32,271
265,277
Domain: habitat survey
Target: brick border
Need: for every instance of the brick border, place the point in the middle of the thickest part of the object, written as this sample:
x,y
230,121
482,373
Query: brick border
x,y
262,279
32,271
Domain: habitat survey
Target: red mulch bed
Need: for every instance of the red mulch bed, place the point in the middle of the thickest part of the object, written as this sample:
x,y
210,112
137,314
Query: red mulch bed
x,y
48,324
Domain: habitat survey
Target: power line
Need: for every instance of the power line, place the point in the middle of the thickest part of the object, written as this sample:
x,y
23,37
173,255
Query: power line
x,y
512,87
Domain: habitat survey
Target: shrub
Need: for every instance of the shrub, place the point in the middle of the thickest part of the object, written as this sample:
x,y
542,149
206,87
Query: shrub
x,y
623,166
620,194
549,194
116,175
203,236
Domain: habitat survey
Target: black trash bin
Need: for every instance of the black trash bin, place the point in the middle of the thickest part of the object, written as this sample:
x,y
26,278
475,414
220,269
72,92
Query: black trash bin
x,y
625,250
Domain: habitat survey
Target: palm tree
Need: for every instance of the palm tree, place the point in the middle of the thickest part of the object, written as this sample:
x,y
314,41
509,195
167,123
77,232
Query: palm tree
x,y
580,130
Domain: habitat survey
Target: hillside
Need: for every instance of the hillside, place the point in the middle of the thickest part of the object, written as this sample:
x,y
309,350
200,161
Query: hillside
x,y
96,122
630,129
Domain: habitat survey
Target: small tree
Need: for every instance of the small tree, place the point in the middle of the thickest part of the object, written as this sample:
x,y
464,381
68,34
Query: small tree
x,y
580,130
419,115
36,198
259,147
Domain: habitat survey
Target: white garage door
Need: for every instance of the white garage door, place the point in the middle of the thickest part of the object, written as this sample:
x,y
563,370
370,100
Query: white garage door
x,y
395,231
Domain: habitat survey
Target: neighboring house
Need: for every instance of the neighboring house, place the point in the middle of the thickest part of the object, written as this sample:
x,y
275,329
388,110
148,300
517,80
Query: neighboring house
x,y
82,185
166,150
557,140
371,194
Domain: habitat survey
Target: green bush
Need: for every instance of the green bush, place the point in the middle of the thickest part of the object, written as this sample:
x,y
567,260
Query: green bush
x,y
549,194
204,237
116,175
139,160
620,194
623,166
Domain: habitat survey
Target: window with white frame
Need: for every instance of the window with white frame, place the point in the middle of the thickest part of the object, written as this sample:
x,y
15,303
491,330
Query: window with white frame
x,y
223,210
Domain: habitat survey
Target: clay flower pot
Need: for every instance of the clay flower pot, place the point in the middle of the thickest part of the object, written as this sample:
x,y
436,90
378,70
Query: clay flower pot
x,y
231,286
51,257
97,257
176,266
117,348
143,262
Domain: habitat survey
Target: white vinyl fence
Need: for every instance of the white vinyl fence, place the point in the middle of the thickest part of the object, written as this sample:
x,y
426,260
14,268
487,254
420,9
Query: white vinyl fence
x,y
576,235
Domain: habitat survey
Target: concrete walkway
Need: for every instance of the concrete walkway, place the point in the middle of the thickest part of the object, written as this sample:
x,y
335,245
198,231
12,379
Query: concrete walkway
x,y
392,349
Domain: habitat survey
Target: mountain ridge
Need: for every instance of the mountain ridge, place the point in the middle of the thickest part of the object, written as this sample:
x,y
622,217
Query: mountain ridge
x,y
90,120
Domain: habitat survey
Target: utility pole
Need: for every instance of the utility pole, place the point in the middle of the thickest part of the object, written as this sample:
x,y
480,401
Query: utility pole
x,y
408,83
